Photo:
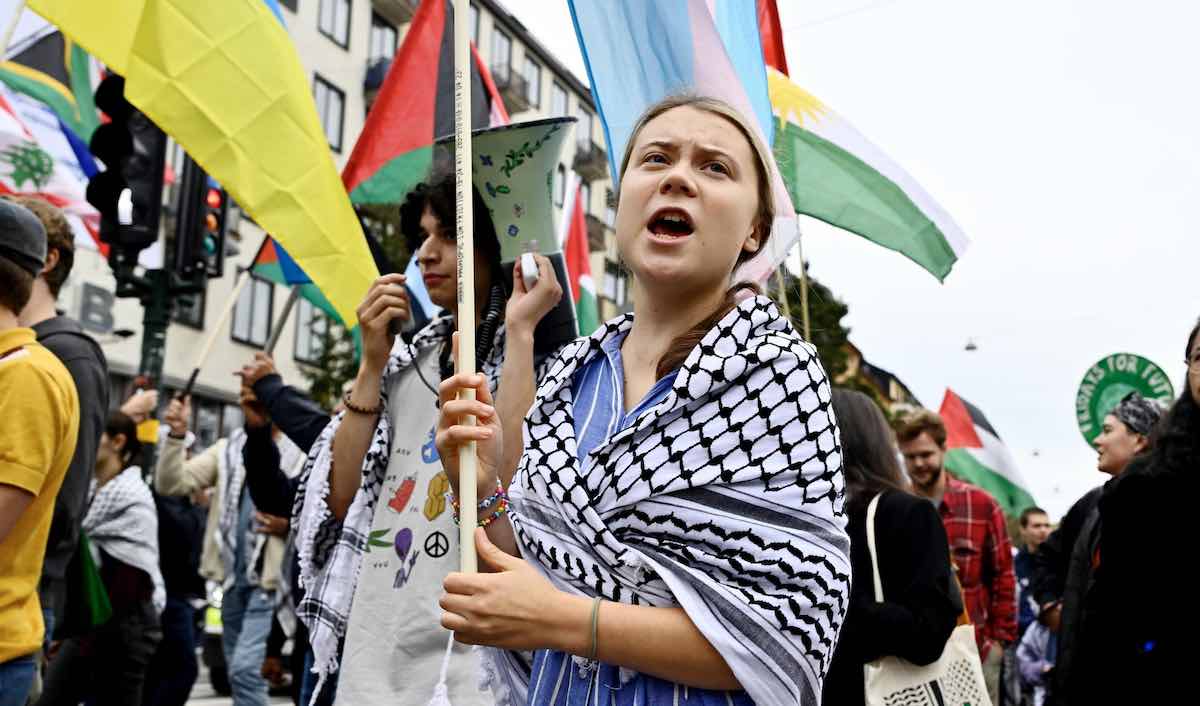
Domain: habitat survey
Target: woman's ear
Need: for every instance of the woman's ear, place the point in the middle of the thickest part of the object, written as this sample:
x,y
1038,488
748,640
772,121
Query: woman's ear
x,y
750,245
119,443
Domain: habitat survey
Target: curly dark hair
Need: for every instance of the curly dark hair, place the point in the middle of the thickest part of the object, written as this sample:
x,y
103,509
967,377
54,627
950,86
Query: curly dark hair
x,y
1175,443
437,193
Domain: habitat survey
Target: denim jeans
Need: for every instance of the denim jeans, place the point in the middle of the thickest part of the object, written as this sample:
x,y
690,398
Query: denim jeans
x,y
16,678
173,671
246,613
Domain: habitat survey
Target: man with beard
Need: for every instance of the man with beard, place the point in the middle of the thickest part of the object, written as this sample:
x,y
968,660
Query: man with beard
x,y
979,544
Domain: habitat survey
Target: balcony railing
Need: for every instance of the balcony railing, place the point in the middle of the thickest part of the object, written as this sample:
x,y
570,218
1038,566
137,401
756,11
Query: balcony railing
x,y
591,161
597,231
513,88
373,80
399,11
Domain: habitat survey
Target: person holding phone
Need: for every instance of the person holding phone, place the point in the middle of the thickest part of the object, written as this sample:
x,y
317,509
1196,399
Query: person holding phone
x,y
375,535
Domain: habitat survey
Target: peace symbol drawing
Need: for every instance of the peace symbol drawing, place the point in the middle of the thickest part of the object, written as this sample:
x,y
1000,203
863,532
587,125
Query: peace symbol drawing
x,y
436,545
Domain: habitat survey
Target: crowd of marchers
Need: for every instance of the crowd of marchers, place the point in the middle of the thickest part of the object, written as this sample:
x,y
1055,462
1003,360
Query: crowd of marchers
x,y
679,508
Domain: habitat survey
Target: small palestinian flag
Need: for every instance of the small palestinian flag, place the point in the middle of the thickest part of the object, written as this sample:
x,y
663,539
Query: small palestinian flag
x,y
415,106
975,454
579,269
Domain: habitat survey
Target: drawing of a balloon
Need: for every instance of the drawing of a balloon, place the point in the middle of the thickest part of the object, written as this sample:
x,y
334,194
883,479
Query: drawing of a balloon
x,y
404,539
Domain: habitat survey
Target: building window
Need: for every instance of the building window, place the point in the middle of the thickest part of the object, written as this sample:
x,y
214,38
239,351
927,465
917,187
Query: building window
x,y
473,19
333,21
533,82
193,313
560,185
610,208
383,39
501,53
583,131
585,196
558,101
252,314
331,106
312,325
615,286
231,419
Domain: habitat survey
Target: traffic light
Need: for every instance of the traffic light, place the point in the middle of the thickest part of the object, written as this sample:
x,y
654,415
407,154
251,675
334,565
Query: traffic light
x,y
216,208
128,193
200,237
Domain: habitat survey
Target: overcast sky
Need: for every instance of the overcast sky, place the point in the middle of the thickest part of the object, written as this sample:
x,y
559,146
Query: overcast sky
x,y
1064,137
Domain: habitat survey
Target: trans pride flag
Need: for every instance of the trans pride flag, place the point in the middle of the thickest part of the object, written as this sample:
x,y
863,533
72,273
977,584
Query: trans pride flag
x,y
639,52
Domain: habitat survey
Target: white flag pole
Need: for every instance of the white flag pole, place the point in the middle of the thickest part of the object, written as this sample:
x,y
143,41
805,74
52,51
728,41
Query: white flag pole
x,y
467,459
12,28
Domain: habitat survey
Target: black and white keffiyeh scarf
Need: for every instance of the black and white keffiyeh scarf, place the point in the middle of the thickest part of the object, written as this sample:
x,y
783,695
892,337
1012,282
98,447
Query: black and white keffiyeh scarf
x,y
331,553
123,522
725,499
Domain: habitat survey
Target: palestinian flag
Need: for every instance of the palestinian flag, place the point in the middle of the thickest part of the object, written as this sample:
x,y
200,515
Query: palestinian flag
x,y
836,175
975,454
579,270
415,106
57,72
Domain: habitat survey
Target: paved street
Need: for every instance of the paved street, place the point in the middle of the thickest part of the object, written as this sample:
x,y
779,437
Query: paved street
x,y
203,694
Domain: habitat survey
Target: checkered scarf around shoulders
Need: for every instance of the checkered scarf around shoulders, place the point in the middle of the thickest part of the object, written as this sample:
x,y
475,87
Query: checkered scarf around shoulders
x,y
330,552
122,520
726,499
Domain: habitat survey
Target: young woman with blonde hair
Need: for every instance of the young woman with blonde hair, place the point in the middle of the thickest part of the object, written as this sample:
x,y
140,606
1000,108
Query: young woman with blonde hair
x,y
674,532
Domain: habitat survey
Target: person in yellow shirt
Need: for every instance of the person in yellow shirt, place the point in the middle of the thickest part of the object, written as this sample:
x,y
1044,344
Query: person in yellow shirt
x,y
39,425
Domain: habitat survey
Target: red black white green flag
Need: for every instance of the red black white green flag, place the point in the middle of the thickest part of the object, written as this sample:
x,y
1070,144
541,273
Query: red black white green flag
x,y
415,106
975,454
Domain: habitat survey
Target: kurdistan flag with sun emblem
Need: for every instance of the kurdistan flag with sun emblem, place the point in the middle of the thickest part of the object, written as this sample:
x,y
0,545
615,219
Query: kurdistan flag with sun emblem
x,y
836,175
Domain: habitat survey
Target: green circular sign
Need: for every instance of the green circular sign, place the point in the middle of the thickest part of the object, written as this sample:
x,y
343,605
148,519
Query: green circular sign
x,y
1108,381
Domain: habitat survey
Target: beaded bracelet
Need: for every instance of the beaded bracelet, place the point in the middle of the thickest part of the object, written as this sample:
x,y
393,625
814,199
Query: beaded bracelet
x,y
501,508
367,411
486,502
498,498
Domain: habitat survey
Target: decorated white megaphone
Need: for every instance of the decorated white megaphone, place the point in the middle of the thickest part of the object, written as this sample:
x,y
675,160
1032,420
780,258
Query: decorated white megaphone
x,y
513,171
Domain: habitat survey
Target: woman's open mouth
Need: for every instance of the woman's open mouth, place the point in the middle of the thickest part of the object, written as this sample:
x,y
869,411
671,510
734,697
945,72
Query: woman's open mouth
x,y
671,224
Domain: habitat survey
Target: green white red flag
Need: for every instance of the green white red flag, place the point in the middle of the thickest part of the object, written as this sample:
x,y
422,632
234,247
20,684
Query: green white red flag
x,y
975,454
579,270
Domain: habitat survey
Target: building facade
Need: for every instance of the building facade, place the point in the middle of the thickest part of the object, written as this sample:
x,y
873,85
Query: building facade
x,y
345,46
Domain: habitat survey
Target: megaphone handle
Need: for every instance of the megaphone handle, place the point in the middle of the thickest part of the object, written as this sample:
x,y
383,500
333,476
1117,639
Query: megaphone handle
x,y
529,270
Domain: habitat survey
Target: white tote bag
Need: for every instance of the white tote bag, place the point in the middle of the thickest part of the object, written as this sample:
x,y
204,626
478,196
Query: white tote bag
x,y
955,679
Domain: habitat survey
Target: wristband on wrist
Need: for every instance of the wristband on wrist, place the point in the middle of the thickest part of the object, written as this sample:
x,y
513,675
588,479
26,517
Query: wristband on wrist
x,y
368,411
499,499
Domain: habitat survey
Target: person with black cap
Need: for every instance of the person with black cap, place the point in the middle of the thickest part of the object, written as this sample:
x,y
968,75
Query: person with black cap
x,y
63,336
1064,567
39,426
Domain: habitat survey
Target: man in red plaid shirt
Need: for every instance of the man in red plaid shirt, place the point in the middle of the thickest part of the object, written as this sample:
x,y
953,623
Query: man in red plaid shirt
x,y
979,544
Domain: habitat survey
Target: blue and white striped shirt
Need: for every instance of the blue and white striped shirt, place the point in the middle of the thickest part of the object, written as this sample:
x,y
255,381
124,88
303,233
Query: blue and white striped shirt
x,y
555,680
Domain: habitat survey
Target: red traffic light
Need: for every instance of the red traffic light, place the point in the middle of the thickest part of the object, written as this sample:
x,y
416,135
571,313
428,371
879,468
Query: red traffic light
x,y
213,198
